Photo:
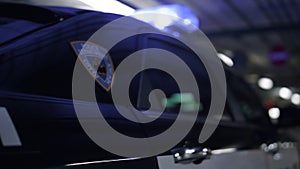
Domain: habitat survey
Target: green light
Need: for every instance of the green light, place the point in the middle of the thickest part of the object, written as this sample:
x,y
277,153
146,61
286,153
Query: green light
x,y
187,101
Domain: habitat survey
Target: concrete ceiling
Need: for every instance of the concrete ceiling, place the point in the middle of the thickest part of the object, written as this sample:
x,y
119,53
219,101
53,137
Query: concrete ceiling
x,y
251,27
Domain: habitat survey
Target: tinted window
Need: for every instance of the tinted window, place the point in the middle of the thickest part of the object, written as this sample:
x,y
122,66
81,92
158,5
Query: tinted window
x,y
244,101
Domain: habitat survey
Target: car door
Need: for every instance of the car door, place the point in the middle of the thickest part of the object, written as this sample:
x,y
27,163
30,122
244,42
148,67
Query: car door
x,y
48,128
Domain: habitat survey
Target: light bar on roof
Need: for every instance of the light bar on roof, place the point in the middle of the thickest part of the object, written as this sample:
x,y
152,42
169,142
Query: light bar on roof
x,y
109,6
172,15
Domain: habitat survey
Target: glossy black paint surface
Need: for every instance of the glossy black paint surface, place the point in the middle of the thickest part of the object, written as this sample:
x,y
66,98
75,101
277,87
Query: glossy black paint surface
x,y
36,81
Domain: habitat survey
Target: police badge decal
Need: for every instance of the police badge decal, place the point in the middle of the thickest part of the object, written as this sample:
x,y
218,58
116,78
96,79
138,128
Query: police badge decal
x,y
90,54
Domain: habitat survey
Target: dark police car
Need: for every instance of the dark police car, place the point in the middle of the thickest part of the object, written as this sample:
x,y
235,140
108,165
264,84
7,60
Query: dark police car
x,y
38,124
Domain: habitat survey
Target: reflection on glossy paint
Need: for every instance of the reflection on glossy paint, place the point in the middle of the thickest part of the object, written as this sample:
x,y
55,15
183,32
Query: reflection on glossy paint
x,y
186,100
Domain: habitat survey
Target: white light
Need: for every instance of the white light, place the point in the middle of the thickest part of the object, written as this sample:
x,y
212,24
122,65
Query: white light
x,y
99,162
176,155
171,15
227,60
164,21
109,6
285,93
167,18
295,99
265,83
190,151
274,113
223,151
187,21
